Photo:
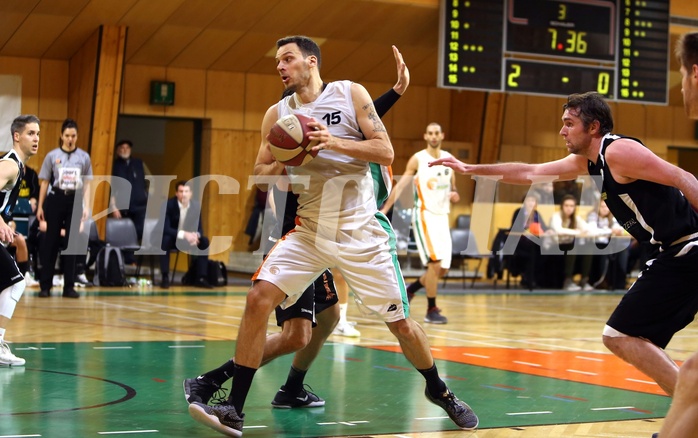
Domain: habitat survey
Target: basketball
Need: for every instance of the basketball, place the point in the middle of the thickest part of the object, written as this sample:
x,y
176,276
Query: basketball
x,y
289,141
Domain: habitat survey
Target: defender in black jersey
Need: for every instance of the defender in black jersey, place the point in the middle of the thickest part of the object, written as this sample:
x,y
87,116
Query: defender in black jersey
x,y
25,143
654,201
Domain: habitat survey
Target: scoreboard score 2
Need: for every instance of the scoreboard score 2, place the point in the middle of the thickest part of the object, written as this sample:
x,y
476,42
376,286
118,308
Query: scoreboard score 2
x,y
618,48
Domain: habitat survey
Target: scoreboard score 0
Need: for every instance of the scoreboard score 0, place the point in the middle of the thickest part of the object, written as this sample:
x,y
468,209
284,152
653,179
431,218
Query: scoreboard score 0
x,y
618,48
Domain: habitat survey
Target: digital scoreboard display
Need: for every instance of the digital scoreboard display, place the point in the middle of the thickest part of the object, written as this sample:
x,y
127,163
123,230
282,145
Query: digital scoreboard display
x,y
618,48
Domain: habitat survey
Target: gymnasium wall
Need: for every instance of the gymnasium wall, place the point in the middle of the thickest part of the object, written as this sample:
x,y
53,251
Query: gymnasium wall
x,y
232,106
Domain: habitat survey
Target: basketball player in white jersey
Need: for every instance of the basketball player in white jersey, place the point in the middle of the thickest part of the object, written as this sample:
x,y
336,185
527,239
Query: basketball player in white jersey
x,y
338,227
434,190
25,143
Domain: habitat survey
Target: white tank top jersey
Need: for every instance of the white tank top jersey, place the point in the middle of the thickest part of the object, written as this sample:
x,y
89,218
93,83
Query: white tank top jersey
x,y
432,185
335,191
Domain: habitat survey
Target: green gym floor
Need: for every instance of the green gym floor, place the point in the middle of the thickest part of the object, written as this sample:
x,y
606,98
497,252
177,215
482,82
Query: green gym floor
x,y
134,388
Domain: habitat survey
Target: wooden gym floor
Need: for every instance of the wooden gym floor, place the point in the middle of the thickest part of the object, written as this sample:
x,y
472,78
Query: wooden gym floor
x,y
530,364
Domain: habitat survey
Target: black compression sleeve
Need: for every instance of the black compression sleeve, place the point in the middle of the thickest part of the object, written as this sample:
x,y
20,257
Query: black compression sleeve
x,y
385,102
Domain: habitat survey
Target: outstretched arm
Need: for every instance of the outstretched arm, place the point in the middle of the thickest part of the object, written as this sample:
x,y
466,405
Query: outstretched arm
x,y
388,99
564,169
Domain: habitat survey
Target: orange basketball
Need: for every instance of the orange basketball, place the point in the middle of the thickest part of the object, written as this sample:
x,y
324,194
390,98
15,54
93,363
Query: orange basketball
x,y
289,141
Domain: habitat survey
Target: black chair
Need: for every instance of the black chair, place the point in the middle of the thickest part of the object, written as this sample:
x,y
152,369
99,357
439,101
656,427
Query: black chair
x,y
121,233
463,221
465,248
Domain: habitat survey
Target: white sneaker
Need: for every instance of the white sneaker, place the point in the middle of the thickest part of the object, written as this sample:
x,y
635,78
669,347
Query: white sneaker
x,y
81,280
57,281
587,287
573,287
8,359
30,280
345,329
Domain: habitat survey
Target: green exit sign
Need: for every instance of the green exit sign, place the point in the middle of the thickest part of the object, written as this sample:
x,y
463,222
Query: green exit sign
x,y
162,93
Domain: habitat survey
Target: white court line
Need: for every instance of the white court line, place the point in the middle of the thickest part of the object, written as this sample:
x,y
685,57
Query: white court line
x,y
186,346
17,436
614,408
583,372
431,418
121,306
126,432
182,309
649,382
595,359
530,413
113,348
527,363
208,321
476,355
538,351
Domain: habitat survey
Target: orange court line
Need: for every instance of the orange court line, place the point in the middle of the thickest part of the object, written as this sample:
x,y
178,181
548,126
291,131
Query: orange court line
x,y
593,368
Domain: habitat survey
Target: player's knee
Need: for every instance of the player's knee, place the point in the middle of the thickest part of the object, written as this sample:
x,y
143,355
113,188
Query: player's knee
x,y
402,329
689,370
262,300
296,333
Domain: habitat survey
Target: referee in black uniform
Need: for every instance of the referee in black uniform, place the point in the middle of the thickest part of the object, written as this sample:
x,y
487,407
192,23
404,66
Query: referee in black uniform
x,y
65,173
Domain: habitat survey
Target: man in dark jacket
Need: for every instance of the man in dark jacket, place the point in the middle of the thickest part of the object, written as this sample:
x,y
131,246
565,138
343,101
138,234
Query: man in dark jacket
x,y
183,230
132,170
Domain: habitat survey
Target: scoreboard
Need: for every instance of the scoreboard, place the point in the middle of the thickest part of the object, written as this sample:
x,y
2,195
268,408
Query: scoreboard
x,y
618,48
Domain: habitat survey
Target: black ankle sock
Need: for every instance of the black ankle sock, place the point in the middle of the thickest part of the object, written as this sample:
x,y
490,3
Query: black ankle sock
x,y
241,386
221,374
414,287
294,381
431,303
435,385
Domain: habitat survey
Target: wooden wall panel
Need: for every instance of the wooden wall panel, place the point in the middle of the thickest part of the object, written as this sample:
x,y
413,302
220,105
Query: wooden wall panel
x,y
136,90
106,106
630,120
466,116
438,106
514,125
261,92
29,69
542,122
190,93
683,129
81,88
232,153
410,114
225,99
53,89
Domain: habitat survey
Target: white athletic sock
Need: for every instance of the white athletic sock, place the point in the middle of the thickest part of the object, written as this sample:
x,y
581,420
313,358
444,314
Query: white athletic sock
x,y
343,312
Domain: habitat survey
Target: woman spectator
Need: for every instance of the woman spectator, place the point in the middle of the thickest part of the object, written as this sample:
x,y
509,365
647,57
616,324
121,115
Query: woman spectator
x,y
528,221
568,225
612,267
